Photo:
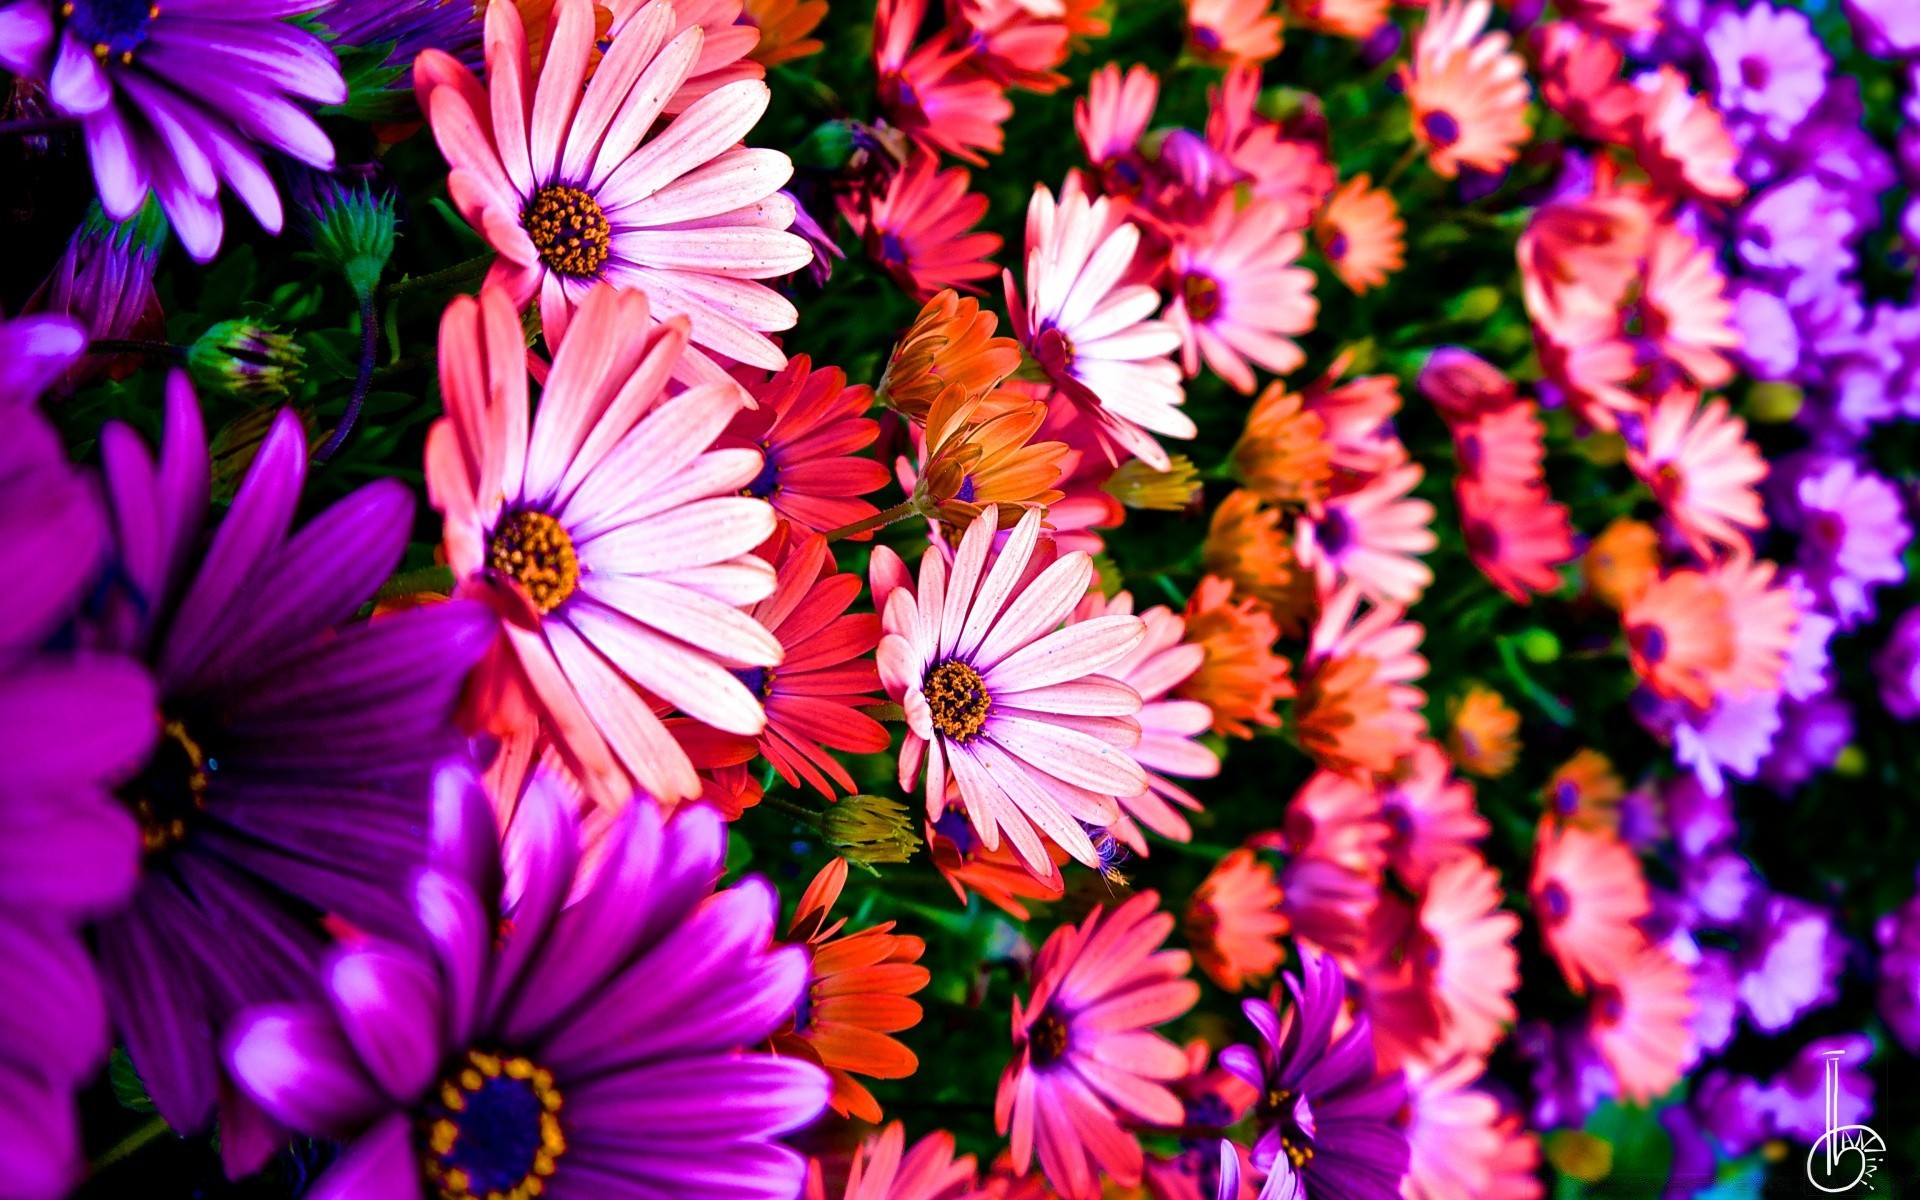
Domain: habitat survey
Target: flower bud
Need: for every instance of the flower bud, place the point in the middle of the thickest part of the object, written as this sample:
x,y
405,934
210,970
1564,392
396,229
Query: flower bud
x,y
352,230
1138,485
246,359
866,830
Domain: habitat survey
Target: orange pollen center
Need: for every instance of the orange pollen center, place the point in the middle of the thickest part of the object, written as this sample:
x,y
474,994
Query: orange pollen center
x,y
958,700
569,230
534,549
1047,1039
1202,296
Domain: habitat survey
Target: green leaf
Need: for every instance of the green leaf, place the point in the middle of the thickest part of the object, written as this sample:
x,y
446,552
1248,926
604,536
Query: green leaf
x,y
739,854
127,1087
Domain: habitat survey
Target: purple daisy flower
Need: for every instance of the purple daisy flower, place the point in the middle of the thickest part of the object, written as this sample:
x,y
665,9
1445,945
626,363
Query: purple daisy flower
x,y
1728,738
569,1051
294,767
1853,532
175,98
105,281
1770,342
1888,28
1767,63
1716,999
1570,1079
1813,732
1897,667
1798,226
53,1036
1324,1108
1898,991
1790,962
402,28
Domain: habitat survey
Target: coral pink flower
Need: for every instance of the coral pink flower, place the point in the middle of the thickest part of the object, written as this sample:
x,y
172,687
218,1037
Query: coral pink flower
x,y
1764,621
571,191
1016,43
1359,419
1684,307
1085,1054
807,428
884,1168
1587,892
1468,90
1110,120
1594,366
607,526
1680,140
1356,19
1002,700
1502,451
1616,18
1580,80
1473,965
1679,638
1168,725
1233,32
1235,922
1362,235
1517,537
1373,536
1238,295
1702,469
1464,386
1430,813
1641,1022
1093,334
920,231
1339,819
932,93
1465,1147
813,698
1291,172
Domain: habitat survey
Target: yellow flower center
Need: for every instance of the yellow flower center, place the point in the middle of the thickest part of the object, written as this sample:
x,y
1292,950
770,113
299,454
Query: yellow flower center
x,y
492,1129
170,790
569,230
533,548
958,699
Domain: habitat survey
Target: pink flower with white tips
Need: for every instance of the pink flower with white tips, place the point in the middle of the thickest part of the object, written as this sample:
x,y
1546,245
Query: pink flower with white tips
x,y
1374,537
1238,295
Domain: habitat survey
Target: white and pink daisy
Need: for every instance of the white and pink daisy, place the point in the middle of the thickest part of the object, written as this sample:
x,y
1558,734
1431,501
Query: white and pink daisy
x,y
565,183
1238,295
1114,114
1091,332
611,533
1373,536
1002,700
1702,468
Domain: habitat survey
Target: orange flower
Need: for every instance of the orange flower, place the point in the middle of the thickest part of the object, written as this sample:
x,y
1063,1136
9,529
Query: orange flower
x,y
857,996
1362,235
951,342
1247,545
1585,791
1234,923
1485,737
978,453
1356,19
784,26
1622,562
535,16
1357,709
1227,33
1468,90
1242,677
1284,454
998,875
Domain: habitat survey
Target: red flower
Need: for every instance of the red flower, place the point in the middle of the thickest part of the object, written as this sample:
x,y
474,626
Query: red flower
x,y
918,232
808,426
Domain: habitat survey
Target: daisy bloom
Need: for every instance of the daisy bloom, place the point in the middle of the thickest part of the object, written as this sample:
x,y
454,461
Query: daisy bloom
x,y
1324,1111
857,995
921,232
1465,1147
1622,562
1502,450
1339,819
1680,139
1684,307
1091,333
1328,905
998,875
577,193
1853,536
785,27
1467,946
1585,790
1359,418
1765,620
952,343
1165,659
813,698
1291,172
1362,235
1215,1100
1430,813
885,1168
523,1048
180,101
932,93
1233,32
1003,701
1284,455
1358,709
1016,43
609,527
1618,18
1235,923
1595,366
1464,386
1085,1054
1356,19
1237,294
1580,80
1516,538
1467,89
1247,547
980,452
1582,255
808,426
1587,892
1641,1023
1240,678
1680,638
1110,120
1703,470
1485,734
1373,536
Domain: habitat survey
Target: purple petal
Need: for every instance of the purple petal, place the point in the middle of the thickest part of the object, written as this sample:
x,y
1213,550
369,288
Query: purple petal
x,y
388,1003
381,1164
299,1067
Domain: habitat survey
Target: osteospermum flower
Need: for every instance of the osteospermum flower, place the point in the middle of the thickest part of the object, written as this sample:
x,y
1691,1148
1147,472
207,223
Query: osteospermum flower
x,y
1359,419
293,770
1467,89
1517,537
786,28
859,993
1431,814
1580,256
1485,734
997,874
1703,470
1361,233
1357,709
1679,637
1247,547
528,1048
1853,536
809,426
1339,819
1091,334
1501,450
104,280
1284,454
951,343
885,1168
1580,80
34,352
1587,892
181,101
1085,1054
1641,1023
1323,1109
1233,32
1356,19
980,452
1240,678
1291,172
1680,139
1238,295
1001,700
1464,1146
1685,311
1763,619
920,230
611,527
1585,790
1373,536
576,193
1110,120
1472,964
930,92
1235,921
1622,562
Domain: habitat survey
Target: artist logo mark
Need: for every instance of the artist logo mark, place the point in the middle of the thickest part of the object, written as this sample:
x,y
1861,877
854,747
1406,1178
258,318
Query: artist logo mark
x,y
1846,1156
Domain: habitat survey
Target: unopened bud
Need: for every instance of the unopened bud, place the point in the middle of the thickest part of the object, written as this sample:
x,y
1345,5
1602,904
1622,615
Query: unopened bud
x,y
1580,1155
1774,403
246,359
1138,485
353,230
1475,304
866,830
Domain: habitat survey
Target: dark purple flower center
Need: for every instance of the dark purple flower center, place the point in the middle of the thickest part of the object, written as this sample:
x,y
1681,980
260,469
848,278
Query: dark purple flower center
x,y
1566,797
1209,1111
112,29
758,680
569,230
803,1011
1555,901
1470,452
966,492
1607,1001
1206,39
767,482
1202,295
1754,72
536,551
1292,1118
1337,246
1335,533
892,249
491,1130
1827,531
954,826
171,790
1398,818
1483,540
957,699
1047,1039
1649,642
1054,352
1442,129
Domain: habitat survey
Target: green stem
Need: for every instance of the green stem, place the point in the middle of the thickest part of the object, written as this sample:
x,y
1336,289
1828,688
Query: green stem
x,y
153,1130
1407,158
455,276
805,816
898,512
1171,589
152,349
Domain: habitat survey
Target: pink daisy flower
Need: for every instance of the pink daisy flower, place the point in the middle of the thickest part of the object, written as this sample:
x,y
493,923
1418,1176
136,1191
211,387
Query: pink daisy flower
x,y
1502,450
1238,295
1167,725
1431,814
886,1168
568,187
932,93
1373,536
1685,311
608,529
1641,1023
921,231
1110,120
1465,1146
1085,1054
1702,469
1093,334
1467,946
1000,699
1587,894
1517,537
1338,818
